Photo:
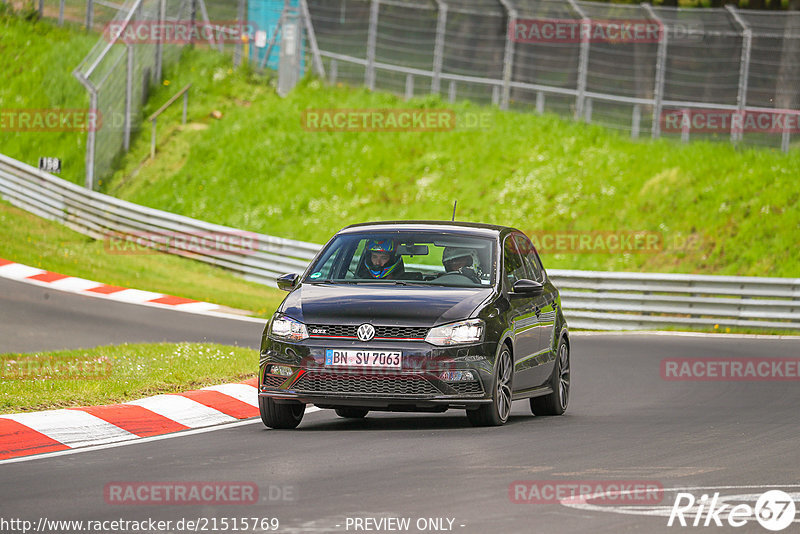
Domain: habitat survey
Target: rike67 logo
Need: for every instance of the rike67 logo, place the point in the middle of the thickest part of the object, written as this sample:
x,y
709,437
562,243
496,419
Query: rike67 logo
x,y
774,510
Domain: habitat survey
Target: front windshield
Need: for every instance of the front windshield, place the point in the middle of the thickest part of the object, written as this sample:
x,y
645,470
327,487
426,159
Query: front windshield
x,y
406,257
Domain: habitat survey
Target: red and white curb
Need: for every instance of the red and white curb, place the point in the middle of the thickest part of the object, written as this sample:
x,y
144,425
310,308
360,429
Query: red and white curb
x,y
25,434
71,284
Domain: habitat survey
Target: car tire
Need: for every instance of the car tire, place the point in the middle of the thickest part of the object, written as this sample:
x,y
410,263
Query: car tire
x,y
280,415
556,402
352,413
496,413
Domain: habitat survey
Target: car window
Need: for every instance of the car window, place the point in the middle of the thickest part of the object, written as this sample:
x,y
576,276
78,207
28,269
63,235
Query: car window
x,y
532,261
513,263
431,258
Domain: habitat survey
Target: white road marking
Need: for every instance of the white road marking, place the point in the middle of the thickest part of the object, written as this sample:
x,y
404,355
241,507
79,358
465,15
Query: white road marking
x,y
136,295
17,271
92,448
242,392
183,410
73,428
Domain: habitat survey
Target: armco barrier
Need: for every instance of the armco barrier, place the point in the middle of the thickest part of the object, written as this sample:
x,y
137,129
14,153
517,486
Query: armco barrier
x,y
595,300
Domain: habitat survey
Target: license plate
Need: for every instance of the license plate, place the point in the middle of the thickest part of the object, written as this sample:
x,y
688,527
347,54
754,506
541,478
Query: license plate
x,y
364,358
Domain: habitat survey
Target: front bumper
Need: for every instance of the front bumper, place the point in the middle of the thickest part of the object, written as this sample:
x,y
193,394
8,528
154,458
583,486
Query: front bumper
x,y
416,386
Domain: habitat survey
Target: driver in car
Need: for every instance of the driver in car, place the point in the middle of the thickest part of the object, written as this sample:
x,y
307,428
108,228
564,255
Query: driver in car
x,y
382,261
462,260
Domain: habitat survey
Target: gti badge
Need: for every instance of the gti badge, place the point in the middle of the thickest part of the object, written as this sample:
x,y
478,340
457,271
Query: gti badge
x,y
366,332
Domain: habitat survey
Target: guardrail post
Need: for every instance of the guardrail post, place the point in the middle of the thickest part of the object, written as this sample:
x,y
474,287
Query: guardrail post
x,y
153,140
41,8
539,102
126,143
744,70
409,86
583,61
61,13
661,69
587,110
636,119
508,54
372,37
451,93
438,47
89,14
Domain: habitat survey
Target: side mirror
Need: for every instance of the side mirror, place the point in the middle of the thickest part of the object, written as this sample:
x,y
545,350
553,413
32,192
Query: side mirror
x,y
287,282
527,288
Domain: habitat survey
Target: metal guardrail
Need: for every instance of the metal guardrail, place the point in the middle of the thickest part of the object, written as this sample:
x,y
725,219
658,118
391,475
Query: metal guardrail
x,y
595,300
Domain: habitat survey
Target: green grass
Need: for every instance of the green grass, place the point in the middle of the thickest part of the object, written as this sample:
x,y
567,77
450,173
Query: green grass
x,y
37,59
720,210
27,239
117,373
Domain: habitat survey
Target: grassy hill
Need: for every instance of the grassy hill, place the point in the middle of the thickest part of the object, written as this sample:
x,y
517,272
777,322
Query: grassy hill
x,y
718,209
245,160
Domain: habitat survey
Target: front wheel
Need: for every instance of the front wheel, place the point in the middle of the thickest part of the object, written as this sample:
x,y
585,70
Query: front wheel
x,y
496,413
556,402
280,415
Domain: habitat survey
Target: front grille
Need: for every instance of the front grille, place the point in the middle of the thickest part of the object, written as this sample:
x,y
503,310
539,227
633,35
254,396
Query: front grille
x,y
467,388
381,332
364,384
273,381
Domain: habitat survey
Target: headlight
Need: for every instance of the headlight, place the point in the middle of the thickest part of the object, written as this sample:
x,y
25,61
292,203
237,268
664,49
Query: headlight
x,y
470,331
287,328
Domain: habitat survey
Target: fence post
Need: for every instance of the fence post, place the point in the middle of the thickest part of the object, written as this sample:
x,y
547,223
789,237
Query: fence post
x,y
508,55
61,12
312,39
539,102
162,15
334,71
583,61
238,58
41,8
661,68
786,134
636,118
89,14
372,36
744,70
686,124
438,47
452,91
91,139
128,98
409,86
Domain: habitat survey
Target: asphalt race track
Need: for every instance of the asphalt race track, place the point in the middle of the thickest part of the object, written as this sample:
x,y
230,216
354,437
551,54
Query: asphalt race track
x,y
624,423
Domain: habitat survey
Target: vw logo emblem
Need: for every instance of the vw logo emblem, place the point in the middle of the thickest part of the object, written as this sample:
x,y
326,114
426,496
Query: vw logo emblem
x,y
366,332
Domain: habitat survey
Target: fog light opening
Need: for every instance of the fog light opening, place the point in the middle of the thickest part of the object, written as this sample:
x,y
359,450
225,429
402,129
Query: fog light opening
x,y
457,376
280,370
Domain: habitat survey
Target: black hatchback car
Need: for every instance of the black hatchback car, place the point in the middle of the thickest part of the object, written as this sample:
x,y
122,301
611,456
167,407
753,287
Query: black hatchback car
x,y
417,316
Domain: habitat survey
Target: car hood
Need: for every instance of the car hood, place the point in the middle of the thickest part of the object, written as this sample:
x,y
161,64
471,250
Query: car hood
x,y
387,305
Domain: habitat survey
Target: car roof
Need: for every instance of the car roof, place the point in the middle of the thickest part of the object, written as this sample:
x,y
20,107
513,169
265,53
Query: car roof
x,y
457,226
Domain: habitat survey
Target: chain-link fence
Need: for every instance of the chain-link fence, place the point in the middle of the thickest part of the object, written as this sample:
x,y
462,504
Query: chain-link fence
x,y
685,73
138,39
